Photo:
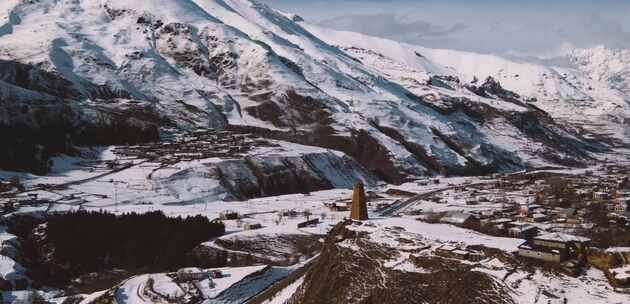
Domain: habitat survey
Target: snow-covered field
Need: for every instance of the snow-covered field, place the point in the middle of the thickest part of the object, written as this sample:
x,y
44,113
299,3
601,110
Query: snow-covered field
x,y
142,185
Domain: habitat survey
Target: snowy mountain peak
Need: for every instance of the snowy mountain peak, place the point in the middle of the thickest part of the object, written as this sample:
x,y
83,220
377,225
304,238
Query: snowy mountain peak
x,y
611,66
242,65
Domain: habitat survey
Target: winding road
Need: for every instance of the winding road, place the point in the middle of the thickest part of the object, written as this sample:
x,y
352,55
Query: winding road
x,y
399,206
130,291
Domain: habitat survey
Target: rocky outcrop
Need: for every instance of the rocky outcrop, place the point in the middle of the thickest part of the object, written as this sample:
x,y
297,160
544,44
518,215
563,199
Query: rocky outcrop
x,y
492,88
360,145
268,249
356,274
271,175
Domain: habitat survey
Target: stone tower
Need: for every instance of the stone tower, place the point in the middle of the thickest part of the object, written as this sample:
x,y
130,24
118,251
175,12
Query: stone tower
x,y
359,204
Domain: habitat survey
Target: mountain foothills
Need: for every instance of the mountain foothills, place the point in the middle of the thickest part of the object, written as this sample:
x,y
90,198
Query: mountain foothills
x,y
108,72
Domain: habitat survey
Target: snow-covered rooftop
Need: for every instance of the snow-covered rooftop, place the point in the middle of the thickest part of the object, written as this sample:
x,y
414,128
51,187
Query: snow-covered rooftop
x,y
562,237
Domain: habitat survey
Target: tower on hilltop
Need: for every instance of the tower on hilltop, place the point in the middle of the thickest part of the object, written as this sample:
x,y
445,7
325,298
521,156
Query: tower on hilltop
x,y
359,203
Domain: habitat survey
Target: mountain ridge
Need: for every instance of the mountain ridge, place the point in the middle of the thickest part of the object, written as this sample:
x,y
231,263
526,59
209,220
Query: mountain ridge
x,y
578,91
242,64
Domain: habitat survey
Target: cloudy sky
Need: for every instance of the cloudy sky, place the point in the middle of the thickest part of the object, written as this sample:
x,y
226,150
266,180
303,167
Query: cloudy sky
x,y
522,28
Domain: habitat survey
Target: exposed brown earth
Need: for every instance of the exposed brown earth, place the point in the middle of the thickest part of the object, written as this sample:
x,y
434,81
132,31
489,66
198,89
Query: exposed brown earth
x,y
343,275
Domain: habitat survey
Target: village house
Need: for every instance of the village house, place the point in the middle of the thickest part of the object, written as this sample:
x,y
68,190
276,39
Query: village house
x,y
252,226
498,225
337,207
554,247
601,197
622,196
560,220
621,254
621,202
621,274
537,218
539,210
484,214
288,213
228,215
621,270
475,256
575,220
523,231
309,223
461,219
449,251
446,251
191,274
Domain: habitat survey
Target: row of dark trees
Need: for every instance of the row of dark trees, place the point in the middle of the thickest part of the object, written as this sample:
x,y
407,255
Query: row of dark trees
x,y
85,242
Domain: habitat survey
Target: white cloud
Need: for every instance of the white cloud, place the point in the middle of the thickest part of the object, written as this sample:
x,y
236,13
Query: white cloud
x,y
541,28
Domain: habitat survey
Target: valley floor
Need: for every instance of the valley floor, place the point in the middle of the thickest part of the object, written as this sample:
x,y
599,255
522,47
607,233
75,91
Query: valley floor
x,y
394,211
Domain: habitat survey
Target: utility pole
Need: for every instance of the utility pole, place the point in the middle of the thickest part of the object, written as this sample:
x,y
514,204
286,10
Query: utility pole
x,y
115,188
115,196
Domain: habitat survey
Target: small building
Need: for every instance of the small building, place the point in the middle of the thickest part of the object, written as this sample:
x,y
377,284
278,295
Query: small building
x,y
191,274
601,196
575,220
501,221
305,224
461,219
449,251
475,256
229,215
338,207
554,247
541,253
538,217
523,231
252,226
621,274
289,213
460,254
539,210
486,214
622,200
422,182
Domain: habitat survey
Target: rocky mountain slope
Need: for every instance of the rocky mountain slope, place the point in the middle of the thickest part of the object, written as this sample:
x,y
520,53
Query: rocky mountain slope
x,y
419,279
587,87
399,261
151,68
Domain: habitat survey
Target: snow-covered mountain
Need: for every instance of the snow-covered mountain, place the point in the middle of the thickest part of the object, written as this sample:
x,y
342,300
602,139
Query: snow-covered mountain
x,y
589,87
132,67
610,66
